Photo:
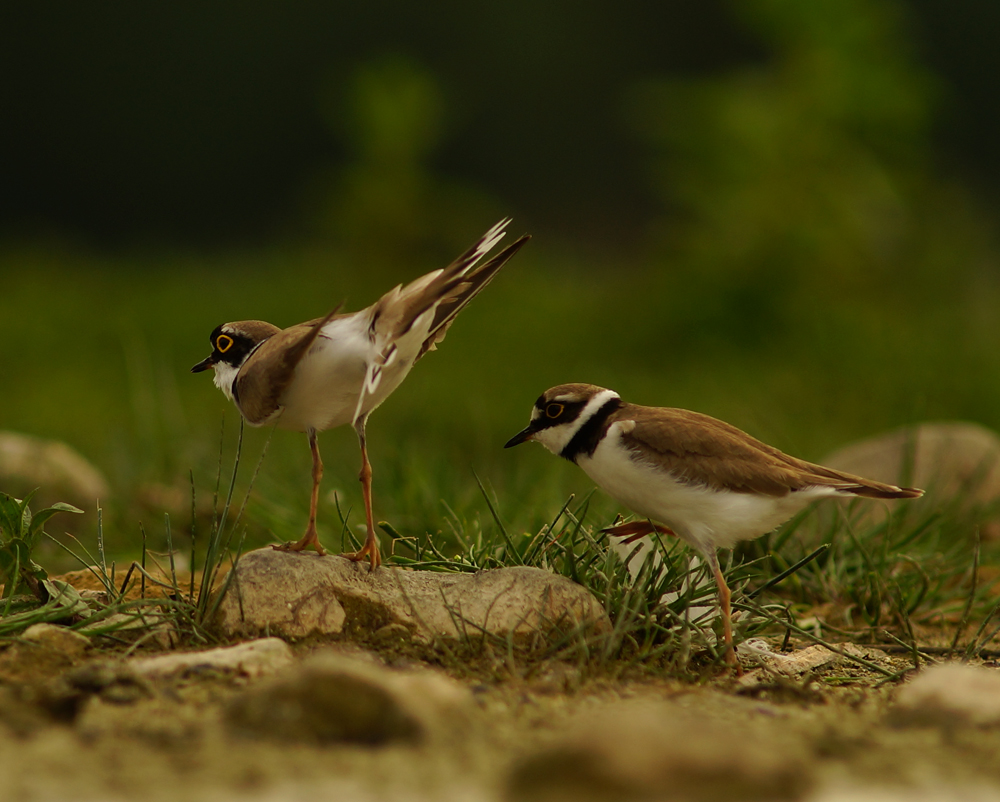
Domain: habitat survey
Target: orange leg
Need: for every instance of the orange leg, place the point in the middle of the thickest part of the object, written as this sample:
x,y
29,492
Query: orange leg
x,y
727,613
370,548
634,530
310,538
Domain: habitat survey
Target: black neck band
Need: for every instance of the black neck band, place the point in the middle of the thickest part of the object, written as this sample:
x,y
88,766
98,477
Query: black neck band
x,y
589,435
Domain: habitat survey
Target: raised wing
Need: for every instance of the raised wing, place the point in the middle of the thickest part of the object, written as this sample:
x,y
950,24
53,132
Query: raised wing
x,y
408,321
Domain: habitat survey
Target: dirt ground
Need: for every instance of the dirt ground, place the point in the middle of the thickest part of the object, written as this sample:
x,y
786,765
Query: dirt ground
x,y
86,727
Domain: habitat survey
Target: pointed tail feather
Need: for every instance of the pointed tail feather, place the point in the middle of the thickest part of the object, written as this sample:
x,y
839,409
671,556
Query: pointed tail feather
x,y
879,490
465,289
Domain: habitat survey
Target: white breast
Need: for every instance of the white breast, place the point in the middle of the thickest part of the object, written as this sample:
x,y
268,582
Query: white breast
x,y
704,517
328,379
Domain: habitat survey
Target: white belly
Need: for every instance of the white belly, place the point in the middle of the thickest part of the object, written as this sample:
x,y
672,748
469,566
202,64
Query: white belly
x,y
705,518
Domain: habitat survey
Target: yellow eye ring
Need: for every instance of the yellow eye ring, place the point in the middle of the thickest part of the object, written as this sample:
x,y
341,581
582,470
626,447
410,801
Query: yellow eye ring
x,y
554,410
223,343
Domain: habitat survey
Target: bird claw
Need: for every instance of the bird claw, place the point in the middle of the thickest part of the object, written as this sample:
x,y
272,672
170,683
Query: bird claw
x,y
309,539
370,550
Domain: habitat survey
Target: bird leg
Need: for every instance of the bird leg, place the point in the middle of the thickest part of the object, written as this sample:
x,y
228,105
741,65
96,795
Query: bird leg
x,y
634,530
370,548
311,537
727,613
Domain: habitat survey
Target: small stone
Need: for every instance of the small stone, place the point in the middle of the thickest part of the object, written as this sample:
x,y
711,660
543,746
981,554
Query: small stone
x,y
303,595
152,627
255,659
391,635
950,694
331,699
42,650
56,638
656,750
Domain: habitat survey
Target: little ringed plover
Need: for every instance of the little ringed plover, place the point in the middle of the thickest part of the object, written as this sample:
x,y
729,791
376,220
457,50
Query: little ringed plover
x,y
335,370
710,483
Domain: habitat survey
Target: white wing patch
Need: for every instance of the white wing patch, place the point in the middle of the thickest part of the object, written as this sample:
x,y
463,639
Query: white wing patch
x,y
406,345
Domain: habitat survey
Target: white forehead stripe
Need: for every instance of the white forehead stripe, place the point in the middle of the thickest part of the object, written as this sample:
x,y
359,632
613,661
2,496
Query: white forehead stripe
x,y
556,438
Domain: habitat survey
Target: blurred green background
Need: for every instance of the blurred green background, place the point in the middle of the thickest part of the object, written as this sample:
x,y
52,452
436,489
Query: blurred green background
x,y
779,213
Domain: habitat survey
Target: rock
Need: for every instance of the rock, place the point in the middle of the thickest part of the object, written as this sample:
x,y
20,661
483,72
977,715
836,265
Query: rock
x,y
43,650
60,473
656,750
811,658
63,697
951,460
950,694
114,681
302,595
255,659
330,698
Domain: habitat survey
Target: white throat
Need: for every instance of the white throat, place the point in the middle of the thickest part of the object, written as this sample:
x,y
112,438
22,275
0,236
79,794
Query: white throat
x,y
225,375
556,438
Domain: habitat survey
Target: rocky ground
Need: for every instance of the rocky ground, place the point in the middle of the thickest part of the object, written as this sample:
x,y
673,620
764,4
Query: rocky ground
x,y
261,719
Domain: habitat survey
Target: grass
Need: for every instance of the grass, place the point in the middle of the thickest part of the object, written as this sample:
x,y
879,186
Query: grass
x,y
102,345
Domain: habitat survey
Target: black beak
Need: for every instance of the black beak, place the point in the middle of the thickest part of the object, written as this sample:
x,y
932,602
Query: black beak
x,y
205,364
521,437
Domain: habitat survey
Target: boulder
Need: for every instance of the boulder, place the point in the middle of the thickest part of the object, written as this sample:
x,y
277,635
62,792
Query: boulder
x,y
304,595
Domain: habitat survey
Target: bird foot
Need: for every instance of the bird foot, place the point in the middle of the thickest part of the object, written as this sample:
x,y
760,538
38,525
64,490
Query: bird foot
x,y
734,662
370,550
309,539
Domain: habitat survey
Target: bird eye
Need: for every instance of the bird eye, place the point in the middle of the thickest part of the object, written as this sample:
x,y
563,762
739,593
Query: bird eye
x,y
554,410
223,342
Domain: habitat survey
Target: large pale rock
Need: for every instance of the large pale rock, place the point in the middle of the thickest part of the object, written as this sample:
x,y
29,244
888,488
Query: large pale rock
x,y
953,461
60,473
659,750
332,698
303,595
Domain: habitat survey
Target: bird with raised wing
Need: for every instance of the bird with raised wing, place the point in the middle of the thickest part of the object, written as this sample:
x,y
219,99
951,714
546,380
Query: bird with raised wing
x,y
335,370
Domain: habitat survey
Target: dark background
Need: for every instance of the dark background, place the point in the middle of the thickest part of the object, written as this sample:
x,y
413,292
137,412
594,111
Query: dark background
x,y
206,123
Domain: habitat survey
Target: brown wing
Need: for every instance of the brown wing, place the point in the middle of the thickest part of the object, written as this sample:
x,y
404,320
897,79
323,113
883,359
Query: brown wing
x,y
702,450
266,374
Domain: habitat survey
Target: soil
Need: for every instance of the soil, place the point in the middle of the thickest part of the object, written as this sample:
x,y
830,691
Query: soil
x,y
85,728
